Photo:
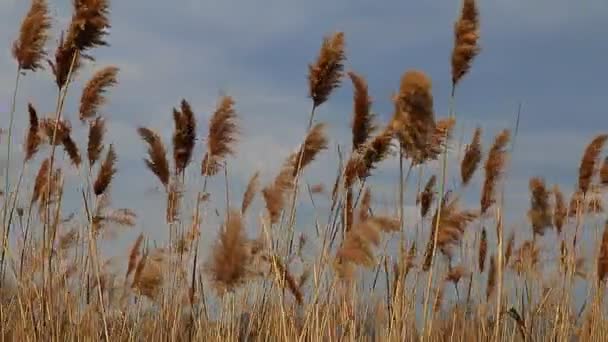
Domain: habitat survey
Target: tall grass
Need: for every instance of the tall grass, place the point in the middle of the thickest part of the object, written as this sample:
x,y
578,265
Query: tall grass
x,y
467,282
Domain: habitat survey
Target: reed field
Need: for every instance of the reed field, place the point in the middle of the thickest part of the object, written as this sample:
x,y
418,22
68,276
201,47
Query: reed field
x,y
294,259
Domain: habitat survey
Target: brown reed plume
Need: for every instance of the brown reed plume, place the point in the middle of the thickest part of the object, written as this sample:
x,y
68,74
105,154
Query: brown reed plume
x,y
357,248
471,159
72,150
149,274
540,208
455,274
227,266
439,140
33,139
560,212
28,49
134,255
97,129
426,197
509,248
41,181
363,125
286,279
46,188
106,172
157,156
602,259
92,97
414,121
483,249
589,162
604,172
591,203
223,131
184,136
63,137
466,36
88,27
274,194
325,74
174,196
450,228
491,278
250,191
494,168
526,257
315,142
362,162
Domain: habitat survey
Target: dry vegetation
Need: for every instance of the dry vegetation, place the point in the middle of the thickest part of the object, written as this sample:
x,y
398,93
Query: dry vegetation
x,y
467,282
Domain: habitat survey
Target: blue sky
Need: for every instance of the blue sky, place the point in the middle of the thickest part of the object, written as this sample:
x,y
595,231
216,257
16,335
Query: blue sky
x,y
550,55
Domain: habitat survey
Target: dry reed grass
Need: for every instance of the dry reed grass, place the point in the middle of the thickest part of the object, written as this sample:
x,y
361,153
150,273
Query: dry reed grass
x,y
61,286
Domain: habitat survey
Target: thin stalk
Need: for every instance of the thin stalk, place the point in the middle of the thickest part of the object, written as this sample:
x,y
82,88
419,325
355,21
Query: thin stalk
x,y
10,135
296,181
10,221
8,163
436,228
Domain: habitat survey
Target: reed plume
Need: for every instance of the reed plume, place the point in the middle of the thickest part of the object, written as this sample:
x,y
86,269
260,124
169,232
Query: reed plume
x,y
41,181
602,259
90,24
439,140
494,168
33,139
134,255
466,36
66,57
526,257
455,274
223,131
286,279
149,275
97,129
560,212
604,173
227,266
28,49
452,224
450,229
483,250
184,136
589,162
174,196
491,278
414,121
471,159
157,156
325,74
315,142
509,248
88,27
71,148
251,190
357,248
63,137
363,125
106,172
362,162
92,97
274,194
540,208
425,198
